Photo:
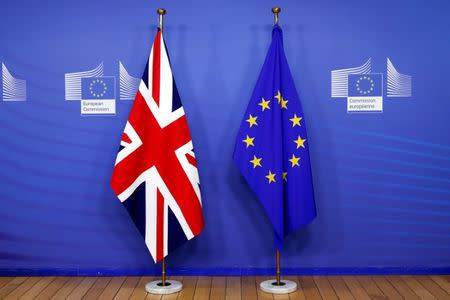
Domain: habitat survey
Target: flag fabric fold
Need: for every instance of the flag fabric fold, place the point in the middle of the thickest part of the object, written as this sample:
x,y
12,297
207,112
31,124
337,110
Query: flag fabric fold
x,y
155,174
271,149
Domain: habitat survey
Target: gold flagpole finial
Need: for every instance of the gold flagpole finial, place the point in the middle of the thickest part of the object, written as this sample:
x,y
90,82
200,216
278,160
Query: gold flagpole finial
x,y
161,12
276,10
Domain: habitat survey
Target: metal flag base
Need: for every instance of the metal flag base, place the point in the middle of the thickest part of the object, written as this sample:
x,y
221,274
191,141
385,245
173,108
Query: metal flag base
x,y
285,287
156,287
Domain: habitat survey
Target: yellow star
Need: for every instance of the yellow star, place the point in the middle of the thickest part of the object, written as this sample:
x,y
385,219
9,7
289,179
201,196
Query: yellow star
x,y
294,160
271,177
256,161
249,141
264,104
285,176
300,142
278,96
296,120
283,103
252,120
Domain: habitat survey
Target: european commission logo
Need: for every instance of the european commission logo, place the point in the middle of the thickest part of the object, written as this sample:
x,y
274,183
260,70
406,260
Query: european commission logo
x,y
364,90
96,92
98,95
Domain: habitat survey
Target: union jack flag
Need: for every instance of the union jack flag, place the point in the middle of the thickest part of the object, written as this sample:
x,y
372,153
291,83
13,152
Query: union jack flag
x,y
155,174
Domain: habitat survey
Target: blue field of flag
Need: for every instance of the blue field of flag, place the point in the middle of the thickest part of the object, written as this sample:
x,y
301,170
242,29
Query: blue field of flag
x,y
98,88
365,85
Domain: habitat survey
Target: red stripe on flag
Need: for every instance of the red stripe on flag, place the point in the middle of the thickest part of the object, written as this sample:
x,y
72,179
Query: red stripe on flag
x,y
156,67
159,226
126,138
191,160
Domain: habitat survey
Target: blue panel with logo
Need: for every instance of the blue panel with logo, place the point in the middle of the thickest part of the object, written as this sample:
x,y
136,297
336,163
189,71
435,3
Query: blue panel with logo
x,y
98,88
381,180
365,85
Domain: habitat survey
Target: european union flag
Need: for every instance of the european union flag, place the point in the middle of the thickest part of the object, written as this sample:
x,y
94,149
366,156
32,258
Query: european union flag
x,y
271,148
96,88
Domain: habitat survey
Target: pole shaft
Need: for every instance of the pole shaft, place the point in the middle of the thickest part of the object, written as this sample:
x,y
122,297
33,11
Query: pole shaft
x,y
278,268
276,10
161,12
163,272
161,22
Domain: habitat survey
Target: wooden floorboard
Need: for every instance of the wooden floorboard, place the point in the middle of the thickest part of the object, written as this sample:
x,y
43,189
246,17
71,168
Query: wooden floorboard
x,y
79,291
189,284
417,288
233,291
371,288
173,296
402,288
11,285
432,287
203,288
260,294
5,280
443,283
218,288
139,292
309,288
340,287
248,288
112,288
37,288
52,288
127,288
298,294
325,288
67,288
230,288
387,288
97,288
22,288
356,288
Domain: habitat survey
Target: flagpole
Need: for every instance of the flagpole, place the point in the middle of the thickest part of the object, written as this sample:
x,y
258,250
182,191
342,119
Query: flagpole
x,y
276,10
278,268
161,12
163,272
278,286
163,286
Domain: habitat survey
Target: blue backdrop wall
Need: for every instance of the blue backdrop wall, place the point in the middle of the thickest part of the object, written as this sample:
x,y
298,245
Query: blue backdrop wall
x,y
382,180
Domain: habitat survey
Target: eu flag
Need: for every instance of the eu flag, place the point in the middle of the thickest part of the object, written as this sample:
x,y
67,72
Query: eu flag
x,y
271,148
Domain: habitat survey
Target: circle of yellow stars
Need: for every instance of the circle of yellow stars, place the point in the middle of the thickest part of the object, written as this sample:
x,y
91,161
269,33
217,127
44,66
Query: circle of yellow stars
x,y
102,85
365,91
250,141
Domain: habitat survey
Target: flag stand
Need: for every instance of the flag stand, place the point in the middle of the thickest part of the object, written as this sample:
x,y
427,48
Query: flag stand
x,y
278,286
163,286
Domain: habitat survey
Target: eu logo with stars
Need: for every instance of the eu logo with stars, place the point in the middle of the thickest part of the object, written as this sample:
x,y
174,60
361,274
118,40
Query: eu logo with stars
x,y
98,95
365,92
93,88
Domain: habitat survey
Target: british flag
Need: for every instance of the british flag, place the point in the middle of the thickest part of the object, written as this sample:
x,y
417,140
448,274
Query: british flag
x,y
155,174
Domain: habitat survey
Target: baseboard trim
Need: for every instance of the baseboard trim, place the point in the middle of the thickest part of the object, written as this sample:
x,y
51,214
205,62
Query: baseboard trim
x,y
225,271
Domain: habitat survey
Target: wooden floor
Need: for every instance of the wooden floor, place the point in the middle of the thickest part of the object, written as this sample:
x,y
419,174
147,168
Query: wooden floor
x,y
245,288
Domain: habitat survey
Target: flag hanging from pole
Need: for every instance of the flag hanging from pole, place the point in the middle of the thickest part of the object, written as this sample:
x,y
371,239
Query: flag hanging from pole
x,y
271,148
155,174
